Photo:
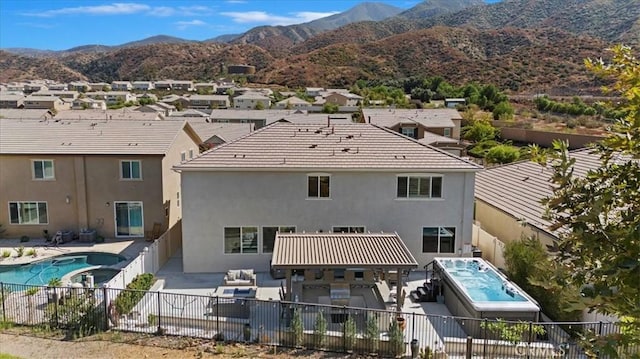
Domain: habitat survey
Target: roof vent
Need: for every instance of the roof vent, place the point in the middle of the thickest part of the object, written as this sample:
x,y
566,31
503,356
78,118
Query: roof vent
x,y
313,146
318,131
345,149
349,137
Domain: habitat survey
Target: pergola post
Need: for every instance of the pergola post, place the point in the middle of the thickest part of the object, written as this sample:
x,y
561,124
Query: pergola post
x,y
398,285
288,290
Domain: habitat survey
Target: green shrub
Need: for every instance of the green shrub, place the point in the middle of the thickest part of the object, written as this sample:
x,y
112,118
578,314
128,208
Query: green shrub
x,y
320,330
503,154
127,299
20,251
6,253
32,252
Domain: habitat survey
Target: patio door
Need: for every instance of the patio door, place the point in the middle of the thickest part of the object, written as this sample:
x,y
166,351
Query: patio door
x,y
129,220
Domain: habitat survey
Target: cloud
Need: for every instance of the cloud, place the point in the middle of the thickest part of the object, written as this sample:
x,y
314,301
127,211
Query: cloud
x,y
270,19
236,1
112,9
38,25
185,24
126,9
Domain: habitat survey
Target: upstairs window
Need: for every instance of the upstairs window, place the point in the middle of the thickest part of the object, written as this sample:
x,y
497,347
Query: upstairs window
x,y
347,229
318,186
130,170
409,131
43,170
447,132
419,187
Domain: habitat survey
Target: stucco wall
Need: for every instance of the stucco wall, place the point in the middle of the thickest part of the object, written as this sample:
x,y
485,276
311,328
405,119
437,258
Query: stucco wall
x,y
214,200
92,184
171,178
505,226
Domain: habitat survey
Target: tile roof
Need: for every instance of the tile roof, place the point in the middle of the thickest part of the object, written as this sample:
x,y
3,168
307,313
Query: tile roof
x,y
225,131
353,250
426,117
97,115
14,113
87,137
286,146
430,138
518,188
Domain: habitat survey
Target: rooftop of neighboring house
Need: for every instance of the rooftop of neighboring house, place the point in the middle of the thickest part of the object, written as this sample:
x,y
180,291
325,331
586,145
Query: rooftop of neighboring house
x,y
10,97
251,96
390,117
286,146
430,138
42,98
86,137
18,114
209,97
119,114
518,188
188,113
226,132
293,101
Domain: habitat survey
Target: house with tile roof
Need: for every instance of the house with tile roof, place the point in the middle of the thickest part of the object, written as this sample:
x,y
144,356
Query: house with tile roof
x,y
509,198
250,100
112,176
346,177
415,123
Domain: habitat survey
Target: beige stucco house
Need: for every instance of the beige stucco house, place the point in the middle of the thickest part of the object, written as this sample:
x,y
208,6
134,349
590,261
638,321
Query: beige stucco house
x,y
45,103
111,176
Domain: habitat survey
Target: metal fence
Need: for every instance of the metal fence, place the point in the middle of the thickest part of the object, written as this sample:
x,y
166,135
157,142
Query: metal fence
x,y
239,318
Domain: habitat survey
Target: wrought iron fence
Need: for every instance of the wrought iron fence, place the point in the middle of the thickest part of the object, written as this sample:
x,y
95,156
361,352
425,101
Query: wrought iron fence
x,y
240,318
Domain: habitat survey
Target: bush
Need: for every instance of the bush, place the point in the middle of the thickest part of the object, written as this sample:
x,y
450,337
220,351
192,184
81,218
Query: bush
x,y
20,251
6,254
503,154
479,131
127,299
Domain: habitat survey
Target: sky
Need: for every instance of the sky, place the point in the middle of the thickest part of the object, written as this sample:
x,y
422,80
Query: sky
x,y
63,24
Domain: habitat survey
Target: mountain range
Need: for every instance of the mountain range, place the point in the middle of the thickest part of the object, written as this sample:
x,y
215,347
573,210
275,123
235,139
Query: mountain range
x,y
520,45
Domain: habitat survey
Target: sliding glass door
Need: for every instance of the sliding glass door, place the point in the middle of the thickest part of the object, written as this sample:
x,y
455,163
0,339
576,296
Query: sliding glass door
x,y
129,222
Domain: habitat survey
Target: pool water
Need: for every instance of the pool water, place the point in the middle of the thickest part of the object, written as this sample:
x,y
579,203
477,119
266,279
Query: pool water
x,y
41,272
481,282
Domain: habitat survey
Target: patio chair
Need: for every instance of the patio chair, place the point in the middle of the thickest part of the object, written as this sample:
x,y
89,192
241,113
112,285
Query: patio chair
x,y
155,232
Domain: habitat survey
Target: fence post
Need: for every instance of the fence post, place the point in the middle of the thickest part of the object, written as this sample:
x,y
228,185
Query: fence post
x,y
105,299
600,328
4,313
159,318
344,337
469,353
413,325
484,345
218,316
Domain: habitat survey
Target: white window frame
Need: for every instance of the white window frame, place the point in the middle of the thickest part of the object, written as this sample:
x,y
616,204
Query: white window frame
x,y
364,229
19,204
318,176
183,156
405,133
420,176
123,178
440,228
224,239
115,220
447,132
191,153
278,231
44,175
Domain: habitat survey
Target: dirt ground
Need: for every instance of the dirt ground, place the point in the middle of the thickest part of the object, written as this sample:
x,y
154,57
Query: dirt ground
x,y
116,345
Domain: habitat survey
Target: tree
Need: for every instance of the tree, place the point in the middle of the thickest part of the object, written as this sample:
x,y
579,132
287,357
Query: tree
x,y
598,215
330,108
503,154
479,131
503,111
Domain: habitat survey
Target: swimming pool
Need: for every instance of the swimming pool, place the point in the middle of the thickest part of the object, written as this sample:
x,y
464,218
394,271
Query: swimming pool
x,y
41,272
475,288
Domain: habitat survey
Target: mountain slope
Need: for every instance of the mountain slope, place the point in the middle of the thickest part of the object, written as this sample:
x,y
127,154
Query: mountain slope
x,y
612,20
367,11
16,68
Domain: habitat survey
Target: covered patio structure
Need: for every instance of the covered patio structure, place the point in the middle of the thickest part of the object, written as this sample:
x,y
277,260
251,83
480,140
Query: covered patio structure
x,y
339,261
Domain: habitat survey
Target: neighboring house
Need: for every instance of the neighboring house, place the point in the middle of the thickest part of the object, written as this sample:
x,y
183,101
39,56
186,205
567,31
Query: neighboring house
x,y
205,102
119,114
454,102
80,86
112,176
250,100
34,87
182,85
143,85
114,97
292,103
205,87
121,86
58,93
33,114
15,87
343,99
159,107
450,145
58,87
190,113
88,104
342,178
215,134
508,198
99,86
45,102
11,101
180,102
414,123
314,91
147,96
